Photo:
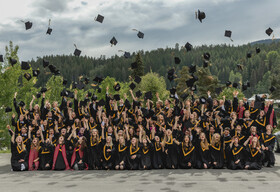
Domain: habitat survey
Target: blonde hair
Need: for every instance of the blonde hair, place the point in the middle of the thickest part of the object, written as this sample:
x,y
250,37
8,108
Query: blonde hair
x,y
22,146
214,141
204,144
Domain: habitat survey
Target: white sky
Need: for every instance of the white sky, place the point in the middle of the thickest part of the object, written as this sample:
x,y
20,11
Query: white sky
x,y
164,22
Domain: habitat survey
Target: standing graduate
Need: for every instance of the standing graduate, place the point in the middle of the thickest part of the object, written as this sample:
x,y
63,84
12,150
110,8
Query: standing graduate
x,y
108,151
237,158
170,150
254,154
133,157
186,153
203,156
33,147
121,150
60,161
145,150
267,143
217,152
157,155
19,159
94,150
46,154
78,160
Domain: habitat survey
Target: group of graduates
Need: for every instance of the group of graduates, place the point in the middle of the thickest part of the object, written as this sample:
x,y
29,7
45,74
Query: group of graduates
x,y
93,134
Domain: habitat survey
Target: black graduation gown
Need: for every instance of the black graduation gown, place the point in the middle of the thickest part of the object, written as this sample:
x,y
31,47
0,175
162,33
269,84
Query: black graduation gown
x,y
186,156
121,153
254,158
145,159
157,156
202,155
133,164
45,156
236,153
170,159
217,155
94,154
268,141
260,124
107,158
17,154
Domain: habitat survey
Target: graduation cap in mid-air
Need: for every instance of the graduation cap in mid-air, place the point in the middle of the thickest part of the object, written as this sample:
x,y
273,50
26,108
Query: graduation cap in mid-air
x,y
240,67
258,50
1,58
171,75
98,79
177,60
192,69
235,85
228,34
77,52
117,86
138,94
36,72
188,46
139,34
28,24
99,18
117,97
200,15
132,86
45,63
202,100
8,109
205,64
25,65
27,76
49,30
113,41
64,82
12,61
249,55
269,31
148,95
228,83
43,90
137,79
206,56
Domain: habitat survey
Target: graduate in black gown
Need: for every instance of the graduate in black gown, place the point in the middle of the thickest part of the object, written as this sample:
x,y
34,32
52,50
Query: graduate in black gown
x,y
254,154
202,152
94,150
19,159
79,156
60,161
237,158
267,143
217,151
145,150
46,155
157,154
186,153
170,151
108,151
133,157
121,150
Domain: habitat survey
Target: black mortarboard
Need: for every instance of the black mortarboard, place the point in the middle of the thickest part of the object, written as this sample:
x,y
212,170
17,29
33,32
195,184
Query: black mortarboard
x,y
171,77
101,102
188,46
52,68
8,109
89,94
244,87
206,56
205,64
57,72
21,103
272,89
184,96
228,83
113,41
99,18
117,97
98,79
140,35
117,86
171,72
201,15
137,79
126,55
134,65
268,31
28,25
228,33
12,61
190,82
36,73
192,69
86,80
77,52
99,90
1,58
138,94
64,92
49,31
132,86
148,95
25,65
249,55
202,100
70,94
45,63
177,60
80,85
43,90
64,82
38,95
235,85
258,50
172,91
127,104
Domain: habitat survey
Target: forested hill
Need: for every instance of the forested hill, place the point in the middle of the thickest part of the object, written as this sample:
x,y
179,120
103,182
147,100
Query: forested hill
x,y
258,69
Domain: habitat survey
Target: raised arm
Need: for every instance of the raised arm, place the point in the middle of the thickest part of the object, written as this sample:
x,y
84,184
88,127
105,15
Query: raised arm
x,y
31,103
132,95
115,133
126,131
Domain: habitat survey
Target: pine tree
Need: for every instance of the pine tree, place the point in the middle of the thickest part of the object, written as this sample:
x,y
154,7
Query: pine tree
x,y
139,70
206,82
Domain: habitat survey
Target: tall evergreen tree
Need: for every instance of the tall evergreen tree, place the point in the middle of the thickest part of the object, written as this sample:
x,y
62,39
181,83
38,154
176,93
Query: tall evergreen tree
x,y
139,70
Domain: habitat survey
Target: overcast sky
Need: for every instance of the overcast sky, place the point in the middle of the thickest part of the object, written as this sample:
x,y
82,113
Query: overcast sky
x,y
164,22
